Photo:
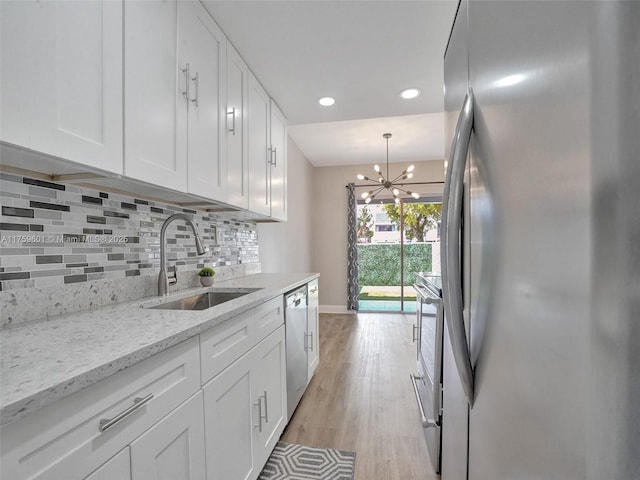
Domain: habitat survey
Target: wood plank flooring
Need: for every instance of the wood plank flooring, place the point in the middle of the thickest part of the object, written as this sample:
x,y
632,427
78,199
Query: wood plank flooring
x,y
361,398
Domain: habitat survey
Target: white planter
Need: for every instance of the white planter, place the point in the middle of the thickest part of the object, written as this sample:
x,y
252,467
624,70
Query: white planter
x,y
206,281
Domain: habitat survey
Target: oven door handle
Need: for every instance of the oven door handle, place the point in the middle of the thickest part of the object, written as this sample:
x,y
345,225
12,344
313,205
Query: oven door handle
x,y
425,297
426,422
450,254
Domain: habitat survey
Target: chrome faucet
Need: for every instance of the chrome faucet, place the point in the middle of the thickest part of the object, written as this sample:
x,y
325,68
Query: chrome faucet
x,y
163,280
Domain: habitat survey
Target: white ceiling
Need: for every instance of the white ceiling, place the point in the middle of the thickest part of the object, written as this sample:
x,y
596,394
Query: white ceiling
x,y
362,53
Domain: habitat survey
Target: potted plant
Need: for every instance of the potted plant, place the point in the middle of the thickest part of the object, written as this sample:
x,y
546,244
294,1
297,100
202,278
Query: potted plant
x,y
206,276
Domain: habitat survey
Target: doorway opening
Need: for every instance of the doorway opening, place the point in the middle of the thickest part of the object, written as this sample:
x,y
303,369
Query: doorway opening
x,y
395,241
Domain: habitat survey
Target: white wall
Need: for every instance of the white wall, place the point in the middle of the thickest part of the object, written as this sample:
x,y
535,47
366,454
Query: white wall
x,y
287,247
330,222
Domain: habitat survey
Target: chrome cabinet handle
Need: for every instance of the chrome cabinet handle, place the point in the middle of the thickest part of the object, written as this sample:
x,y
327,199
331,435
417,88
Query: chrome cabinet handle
x,y
259,405
311,342
233,120
196,80
138,402
270,160
187,78
267,177
426,422
266,407
306,343
275,157
450,255
414,335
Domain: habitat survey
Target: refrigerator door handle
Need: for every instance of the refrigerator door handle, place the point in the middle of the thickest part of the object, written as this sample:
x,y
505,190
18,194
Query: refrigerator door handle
x,y
451,223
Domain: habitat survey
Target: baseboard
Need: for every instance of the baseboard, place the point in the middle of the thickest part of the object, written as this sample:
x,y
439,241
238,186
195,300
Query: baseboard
x,y
340,309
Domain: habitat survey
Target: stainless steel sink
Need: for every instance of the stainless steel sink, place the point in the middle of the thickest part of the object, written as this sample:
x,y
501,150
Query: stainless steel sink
x,y
202,301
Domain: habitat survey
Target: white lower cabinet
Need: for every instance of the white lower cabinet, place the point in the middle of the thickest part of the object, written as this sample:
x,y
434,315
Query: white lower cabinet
x,y
313,339
245,411
71,438
119,467
229,414
270,383
173,449
155,420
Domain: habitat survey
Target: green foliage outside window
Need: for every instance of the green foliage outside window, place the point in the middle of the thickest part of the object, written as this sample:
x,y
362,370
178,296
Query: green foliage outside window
x,y
419,218
379,265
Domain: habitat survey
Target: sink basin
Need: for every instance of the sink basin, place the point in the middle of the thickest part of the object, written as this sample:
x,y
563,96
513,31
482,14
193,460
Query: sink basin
x,y
202,301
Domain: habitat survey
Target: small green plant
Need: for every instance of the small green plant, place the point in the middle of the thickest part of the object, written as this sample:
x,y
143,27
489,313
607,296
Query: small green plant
x,y
206,272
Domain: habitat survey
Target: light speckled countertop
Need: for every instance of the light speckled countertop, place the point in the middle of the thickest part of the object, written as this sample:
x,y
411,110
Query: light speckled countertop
x,y
44,361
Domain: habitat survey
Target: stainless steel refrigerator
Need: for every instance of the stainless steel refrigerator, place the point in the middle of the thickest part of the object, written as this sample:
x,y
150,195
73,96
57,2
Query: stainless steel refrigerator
x,y
541,242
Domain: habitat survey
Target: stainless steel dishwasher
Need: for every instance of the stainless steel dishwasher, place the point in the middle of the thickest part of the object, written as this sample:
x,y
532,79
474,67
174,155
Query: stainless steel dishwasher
x,y
295,330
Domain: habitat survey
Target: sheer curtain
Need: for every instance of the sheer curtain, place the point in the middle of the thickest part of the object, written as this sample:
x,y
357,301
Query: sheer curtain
x,y
352,249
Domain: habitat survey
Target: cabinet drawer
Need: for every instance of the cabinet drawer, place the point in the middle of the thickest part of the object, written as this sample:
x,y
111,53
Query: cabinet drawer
x,y
269,316
223,344
64,440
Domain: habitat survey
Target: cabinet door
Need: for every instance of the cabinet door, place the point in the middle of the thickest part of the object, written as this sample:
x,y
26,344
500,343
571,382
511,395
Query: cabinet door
x,y
118,468
313,343
16,34
236,126
230,409
259,166
278,172
62,79
271,392
154,104
174,447
203,48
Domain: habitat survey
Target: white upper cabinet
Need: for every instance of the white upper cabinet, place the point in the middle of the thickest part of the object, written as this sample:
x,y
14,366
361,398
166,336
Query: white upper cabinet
x,y
155,143
236,123
202,53
174,91
259,119
278,163
267,129
61,86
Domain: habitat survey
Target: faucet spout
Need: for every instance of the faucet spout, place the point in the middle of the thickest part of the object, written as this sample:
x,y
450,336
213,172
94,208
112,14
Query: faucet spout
x,y
201,249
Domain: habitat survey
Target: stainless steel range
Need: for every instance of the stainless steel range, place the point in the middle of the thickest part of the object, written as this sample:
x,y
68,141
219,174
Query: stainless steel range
x,y
427,383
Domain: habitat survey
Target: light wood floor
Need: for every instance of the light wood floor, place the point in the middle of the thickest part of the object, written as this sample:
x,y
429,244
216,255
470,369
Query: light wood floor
x,y
361,398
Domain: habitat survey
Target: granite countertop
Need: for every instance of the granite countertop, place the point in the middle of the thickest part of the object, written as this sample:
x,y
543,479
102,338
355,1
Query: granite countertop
x,y
44,361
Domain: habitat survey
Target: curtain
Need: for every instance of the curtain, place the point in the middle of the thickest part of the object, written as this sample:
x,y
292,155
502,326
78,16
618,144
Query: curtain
x,y
352,249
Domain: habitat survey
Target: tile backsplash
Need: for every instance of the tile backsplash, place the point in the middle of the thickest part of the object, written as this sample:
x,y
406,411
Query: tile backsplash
x,y
55,234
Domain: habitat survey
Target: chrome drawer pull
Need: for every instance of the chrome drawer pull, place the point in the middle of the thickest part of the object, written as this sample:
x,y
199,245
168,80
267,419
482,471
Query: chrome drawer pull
x,y
233,116
138,402
259,405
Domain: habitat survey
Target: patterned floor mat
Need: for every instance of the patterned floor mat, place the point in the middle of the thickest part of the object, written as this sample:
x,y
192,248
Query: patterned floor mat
x,y
297,462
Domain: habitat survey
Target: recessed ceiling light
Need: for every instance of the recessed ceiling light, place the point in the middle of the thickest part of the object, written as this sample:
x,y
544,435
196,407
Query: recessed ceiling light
x,y
327,101
410,93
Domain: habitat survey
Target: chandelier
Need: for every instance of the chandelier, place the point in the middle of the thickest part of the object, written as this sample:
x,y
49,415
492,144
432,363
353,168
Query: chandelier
x,y
385,183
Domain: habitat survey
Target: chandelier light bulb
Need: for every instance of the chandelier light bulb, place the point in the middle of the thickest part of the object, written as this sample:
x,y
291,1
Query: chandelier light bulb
x,y
397,199
409,175
368,201
414,195
376,167
361,177
396,192
411,168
